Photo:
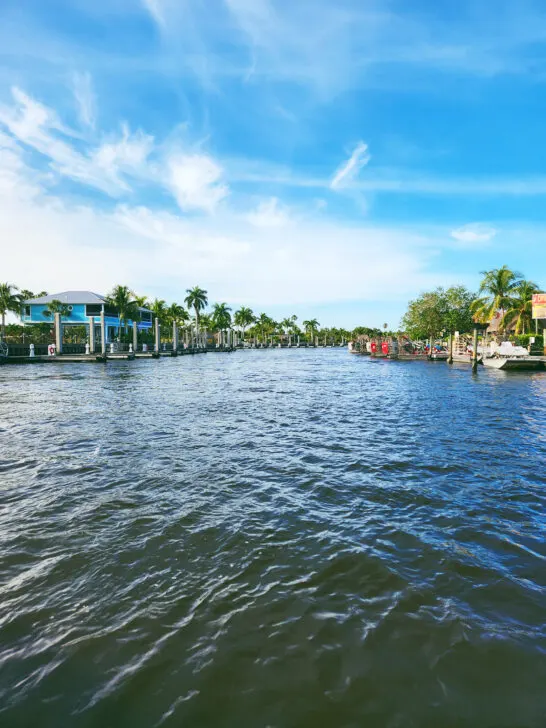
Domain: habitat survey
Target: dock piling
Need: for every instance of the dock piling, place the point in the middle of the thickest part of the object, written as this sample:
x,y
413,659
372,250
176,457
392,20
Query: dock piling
x,y
135,336
102,334
475,351
91,335
58,334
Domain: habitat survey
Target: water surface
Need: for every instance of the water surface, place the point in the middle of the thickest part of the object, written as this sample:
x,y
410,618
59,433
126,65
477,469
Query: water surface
x,y
272,538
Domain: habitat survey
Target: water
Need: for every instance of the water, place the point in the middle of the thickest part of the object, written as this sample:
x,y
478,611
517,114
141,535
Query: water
x,y
272,538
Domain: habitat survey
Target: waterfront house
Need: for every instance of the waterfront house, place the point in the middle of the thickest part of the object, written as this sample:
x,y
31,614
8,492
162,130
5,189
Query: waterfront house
x,y
80,307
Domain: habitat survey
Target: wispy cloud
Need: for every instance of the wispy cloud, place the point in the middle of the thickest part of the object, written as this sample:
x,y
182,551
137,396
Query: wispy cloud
x,y
350,169
474,234
270,213
85,98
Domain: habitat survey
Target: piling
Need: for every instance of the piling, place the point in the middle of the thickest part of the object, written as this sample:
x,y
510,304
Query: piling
x,y
450,357
475,352
58,334
102,334
135,336
92,335
157,335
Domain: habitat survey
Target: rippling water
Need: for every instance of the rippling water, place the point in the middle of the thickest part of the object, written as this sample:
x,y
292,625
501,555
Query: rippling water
x,y
272,538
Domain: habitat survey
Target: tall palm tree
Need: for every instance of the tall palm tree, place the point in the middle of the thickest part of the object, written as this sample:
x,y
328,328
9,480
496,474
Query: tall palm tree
x,y
9,301
244,318
197,299
495,294
221,316
311,327
520,311
123,300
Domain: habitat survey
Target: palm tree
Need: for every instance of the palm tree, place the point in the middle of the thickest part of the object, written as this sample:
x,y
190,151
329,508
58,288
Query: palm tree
x,y
520,313
496,289
9,301
244,318
159,309
177,314
221,316
197,299
264,323
26,295
142,301
311,328
123,300
56,306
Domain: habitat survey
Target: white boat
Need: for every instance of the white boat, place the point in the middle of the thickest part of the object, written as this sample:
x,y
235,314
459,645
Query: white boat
x,y
506,356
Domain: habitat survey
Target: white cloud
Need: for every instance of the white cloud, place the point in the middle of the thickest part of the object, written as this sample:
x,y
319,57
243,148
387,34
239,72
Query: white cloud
x,y
162,253
195,182
350,169
104,167
474,233
269,213
85,98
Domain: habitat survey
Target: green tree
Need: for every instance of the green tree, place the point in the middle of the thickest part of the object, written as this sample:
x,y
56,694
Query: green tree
x,y
159,309
56,306
311,328
495,294
142,301
123,300
26,295
458,309
10,301
197,299
264,325
426,315
177,314
221,316
243,318
519,312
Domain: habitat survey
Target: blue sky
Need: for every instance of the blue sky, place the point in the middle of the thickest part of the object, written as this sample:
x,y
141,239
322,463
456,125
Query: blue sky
x,y
327,159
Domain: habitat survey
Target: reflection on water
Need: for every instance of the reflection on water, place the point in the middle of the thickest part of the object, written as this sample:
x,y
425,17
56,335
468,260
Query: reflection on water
x,y
272,538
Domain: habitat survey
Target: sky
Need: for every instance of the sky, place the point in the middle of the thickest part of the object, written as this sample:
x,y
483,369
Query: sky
x,y
328,159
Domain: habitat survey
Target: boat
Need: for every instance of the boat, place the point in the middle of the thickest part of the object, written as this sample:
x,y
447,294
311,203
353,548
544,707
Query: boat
x,y
439,353
508,357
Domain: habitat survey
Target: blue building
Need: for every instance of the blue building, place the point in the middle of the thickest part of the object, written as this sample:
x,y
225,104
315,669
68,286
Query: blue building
x,y
80,307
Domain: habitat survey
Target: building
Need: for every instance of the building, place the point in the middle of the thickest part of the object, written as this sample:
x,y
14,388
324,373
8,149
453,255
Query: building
x,y
539,311
80,307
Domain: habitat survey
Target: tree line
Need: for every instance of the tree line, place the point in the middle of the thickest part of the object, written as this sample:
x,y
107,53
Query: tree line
x,y
503,293
194,314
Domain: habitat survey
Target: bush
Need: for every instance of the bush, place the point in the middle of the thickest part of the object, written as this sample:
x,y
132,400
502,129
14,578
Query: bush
x,y
537,347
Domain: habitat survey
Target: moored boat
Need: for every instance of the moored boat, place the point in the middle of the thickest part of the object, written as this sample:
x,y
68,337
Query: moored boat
x,y
509,357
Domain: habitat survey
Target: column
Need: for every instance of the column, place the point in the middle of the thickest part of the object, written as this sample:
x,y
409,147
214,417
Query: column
x,y
91,334
175,337
475,352
58,334
102,334
157,335
135,336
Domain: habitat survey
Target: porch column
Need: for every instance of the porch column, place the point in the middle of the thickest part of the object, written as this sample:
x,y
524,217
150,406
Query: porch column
x,y
157,335
175,336
58,334
91,334
135,336
102,334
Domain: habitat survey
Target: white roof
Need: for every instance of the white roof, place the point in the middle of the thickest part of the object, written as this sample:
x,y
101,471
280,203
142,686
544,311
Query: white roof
x,y
69,297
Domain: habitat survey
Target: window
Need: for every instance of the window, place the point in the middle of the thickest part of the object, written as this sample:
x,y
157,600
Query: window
x,y
145,315
93,309
27,310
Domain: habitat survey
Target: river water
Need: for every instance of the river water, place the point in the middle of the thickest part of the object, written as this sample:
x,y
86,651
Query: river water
x,y
272,538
